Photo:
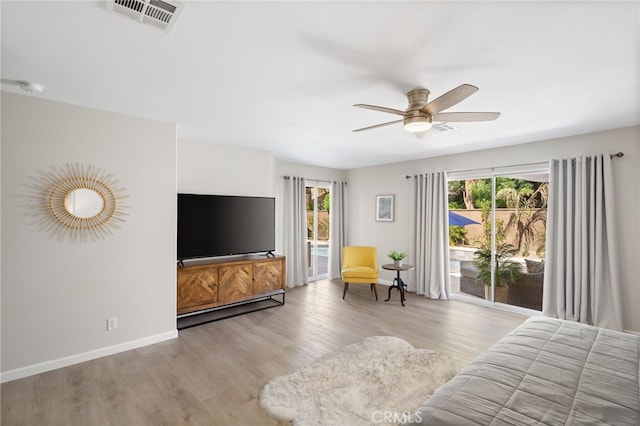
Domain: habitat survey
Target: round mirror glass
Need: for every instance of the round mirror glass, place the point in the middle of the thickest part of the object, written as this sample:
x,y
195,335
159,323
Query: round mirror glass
x,y
83,202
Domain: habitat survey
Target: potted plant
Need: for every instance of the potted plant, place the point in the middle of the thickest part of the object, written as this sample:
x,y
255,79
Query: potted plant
x,y
507,270
397,257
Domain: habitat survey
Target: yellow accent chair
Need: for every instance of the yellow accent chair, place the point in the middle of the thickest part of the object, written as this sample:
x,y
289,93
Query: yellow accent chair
x,y
359,265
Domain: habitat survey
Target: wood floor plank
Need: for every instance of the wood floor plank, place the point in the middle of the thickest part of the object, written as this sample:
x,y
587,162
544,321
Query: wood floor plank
x,y
212,374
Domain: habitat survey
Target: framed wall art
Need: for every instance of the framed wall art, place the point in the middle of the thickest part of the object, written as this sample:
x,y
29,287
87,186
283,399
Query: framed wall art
x,y
384,208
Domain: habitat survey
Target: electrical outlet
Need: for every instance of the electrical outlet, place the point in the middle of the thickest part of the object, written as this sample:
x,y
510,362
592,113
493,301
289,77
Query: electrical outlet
x,y
112,323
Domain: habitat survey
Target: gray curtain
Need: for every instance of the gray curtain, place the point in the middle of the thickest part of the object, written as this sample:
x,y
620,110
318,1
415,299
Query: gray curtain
x,y
337,227
431,235
581,280
295,231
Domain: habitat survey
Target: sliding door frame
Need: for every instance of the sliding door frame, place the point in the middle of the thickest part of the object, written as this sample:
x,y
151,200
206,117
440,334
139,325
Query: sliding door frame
x,y
493,173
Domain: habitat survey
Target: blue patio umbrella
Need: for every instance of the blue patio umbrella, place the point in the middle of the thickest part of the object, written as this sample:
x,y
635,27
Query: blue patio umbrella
x,y
458,220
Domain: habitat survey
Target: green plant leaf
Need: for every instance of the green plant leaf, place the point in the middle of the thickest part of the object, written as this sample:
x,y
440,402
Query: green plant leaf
x,y
397,255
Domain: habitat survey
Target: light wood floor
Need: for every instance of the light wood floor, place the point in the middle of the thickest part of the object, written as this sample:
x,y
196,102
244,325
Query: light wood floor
x,y
211,374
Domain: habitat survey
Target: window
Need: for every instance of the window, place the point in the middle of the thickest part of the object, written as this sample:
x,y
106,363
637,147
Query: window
x,y
497,234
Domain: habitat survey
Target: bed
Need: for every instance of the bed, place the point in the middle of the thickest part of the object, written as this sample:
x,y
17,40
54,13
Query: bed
x,y
545,372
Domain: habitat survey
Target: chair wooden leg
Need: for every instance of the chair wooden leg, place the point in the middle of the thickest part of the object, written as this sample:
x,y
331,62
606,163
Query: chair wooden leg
x,y
373,287
346,287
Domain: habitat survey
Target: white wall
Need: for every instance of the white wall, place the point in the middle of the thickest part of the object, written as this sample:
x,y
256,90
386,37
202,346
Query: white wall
x,y
206,168
310,172
366,183
56,296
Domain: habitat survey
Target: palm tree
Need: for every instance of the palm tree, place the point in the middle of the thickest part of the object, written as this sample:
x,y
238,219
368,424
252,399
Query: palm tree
x,y
529,210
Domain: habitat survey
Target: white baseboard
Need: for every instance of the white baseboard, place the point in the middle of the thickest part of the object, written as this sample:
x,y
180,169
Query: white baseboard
x,y
30,370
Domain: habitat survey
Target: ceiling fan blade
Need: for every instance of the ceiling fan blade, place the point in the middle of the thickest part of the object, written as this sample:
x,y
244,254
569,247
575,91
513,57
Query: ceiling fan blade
x,y
465,116
381,109
449,99
379,125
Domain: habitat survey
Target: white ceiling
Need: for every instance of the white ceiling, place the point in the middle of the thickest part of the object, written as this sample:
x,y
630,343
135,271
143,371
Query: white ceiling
x,y
283,76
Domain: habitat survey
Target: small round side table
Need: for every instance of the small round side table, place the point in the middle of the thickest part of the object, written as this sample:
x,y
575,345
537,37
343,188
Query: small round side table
x,y
397,281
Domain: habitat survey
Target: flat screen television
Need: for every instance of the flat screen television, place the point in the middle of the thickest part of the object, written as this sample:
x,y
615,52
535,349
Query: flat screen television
x,y
221,225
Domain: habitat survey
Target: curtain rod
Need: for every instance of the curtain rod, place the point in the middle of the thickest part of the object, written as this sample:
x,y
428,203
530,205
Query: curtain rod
x,y
618,154
316,180
319,180
492,168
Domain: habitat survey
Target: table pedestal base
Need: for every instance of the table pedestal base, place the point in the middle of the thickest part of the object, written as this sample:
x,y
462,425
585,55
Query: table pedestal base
x,y
400,285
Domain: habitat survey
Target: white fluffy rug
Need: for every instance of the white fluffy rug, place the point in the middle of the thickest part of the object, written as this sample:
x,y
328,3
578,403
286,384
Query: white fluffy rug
x,y
380,380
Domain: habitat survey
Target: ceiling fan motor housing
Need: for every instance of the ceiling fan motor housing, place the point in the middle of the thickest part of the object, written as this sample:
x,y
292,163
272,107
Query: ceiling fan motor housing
x,y
415,120
417,98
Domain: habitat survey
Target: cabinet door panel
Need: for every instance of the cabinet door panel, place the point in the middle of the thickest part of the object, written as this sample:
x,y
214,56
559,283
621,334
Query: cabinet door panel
x,y
267,276
235,282
197,288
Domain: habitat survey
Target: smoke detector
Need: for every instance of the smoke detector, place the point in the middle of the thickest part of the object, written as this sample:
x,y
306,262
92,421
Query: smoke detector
x,y
33,88
161,14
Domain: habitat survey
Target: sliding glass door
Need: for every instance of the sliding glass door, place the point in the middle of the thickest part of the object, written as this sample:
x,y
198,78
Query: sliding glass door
x,y
318,195
497,236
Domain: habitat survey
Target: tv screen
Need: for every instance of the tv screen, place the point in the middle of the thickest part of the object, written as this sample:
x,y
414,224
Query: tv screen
x,y
220,225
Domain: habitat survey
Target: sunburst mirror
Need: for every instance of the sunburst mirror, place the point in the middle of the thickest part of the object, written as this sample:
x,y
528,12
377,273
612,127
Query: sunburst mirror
x,y
79,202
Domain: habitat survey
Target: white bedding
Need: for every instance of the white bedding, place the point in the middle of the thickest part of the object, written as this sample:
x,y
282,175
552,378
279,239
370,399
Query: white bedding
x,y
545,372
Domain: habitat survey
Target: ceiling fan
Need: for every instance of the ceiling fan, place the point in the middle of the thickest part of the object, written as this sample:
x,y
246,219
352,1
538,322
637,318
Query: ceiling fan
x,y
420,113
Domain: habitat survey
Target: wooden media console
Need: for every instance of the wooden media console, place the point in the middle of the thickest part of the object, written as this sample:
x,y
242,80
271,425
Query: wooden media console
x,y
205,286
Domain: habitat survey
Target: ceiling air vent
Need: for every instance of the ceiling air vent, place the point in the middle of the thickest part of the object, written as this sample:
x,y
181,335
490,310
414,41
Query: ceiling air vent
x,y
443,127
158,13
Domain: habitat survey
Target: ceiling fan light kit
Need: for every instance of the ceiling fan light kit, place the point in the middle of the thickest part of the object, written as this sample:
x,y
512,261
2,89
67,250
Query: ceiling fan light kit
x,y
417,124
420,114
